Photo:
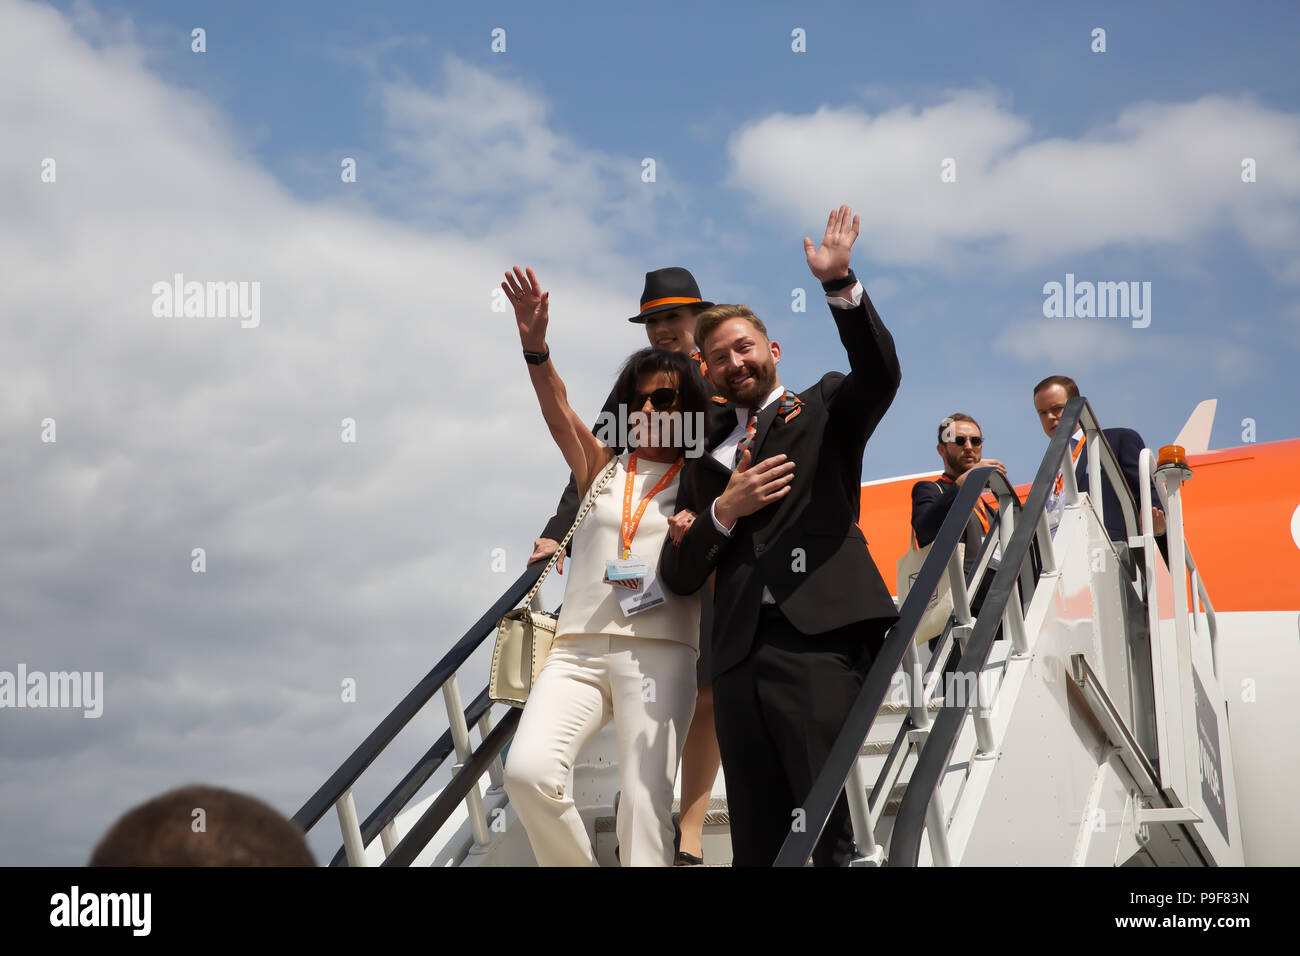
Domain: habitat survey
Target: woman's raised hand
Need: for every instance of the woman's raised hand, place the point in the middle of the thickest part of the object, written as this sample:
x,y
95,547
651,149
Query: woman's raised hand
x,y
531,305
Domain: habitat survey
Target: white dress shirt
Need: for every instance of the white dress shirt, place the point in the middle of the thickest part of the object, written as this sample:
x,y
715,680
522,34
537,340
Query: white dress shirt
x,y
725,452
1055,502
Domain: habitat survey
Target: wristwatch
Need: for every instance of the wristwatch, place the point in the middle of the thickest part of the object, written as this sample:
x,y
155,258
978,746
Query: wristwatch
x,y
834,285
537,358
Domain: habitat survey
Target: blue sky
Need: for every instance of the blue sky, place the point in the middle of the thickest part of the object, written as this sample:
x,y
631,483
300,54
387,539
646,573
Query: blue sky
x,y
299,86
331,561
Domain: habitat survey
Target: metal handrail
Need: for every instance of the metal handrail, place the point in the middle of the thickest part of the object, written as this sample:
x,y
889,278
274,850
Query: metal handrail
x,y
415,778
431,821
905,843
889,770
341,781
857,726
1145,470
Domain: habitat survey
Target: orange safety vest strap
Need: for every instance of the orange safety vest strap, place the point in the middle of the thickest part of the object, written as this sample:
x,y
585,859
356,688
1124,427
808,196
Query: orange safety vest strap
x,y
1074,457
981,509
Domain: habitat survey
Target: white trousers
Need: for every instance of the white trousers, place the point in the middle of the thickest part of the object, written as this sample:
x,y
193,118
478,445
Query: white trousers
x,y
648,687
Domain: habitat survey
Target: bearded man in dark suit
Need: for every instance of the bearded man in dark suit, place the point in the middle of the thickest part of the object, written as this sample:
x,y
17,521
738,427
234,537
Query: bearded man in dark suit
x,y
800,610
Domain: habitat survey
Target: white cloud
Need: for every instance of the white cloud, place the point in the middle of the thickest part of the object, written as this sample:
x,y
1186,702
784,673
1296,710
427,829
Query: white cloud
x,y
883,288
1159,174
1089,344
1095,344
325,560
477,153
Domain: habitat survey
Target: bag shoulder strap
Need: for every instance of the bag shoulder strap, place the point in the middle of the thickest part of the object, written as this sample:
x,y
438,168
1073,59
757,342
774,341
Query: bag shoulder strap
x,y
595,491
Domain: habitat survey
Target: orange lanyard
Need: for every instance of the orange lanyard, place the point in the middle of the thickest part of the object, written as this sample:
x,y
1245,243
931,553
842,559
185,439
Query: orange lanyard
x,y
632,522
1074,457
981,511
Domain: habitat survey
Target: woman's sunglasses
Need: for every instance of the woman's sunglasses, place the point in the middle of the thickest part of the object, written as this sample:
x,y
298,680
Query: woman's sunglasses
x,y
661,399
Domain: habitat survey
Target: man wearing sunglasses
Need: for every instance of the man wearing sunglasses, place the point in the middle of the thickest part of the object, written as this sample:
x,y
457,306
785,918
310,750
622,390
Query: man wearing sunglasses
x,y
960,448
670,302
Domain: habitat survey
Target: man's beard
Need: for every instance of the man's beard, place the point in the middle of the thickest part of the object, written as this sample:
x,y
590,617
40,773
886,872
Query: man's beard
x,y
956,467
763,382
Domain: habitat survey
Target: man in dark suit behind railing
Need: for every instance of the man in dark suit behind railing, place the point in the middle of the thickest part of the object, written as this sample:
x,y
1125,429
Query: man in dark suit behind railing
x,y
1050,396
961,450
800,610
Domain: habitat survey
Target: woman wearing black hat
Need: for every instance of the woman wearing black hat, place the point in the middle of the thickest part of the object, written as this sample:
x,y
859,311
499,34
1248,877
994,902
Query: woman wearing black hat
x,y
625,648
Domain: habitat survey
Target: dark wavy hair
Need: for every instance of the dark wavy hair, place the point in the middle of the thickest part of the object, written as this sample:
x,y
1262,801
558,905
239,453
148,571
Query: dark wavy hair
x,y
692,397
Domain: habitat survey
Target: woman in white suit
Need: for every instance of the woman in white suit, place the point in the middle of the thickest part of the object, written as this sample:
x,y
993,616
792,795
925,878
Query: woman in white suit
x,y
625,647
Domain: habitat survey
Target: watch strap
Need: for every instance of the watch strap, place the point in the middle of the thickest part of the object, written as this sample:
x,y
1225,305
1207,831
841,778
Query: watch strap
x,y
835,285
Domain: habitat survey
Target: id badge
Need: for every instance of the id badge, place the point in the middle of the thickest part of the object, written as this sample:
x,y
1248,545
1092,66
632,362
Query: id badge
x,y
649,595
626,569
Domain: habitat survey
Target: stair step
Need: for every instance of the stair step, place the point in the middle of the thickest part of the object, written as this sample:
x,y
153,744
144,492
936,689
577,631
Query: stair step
x,y
934,705
716,816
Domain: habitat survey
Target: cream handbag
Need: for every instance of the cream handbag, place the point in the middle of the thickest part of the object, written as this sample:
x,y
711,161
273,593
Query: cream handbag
x,y
524,636
935,616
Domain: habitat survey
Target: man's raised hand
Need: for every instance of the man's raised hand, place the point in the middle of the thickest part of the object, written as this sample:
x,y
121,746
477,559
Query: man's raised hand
x,y
831,261
531,308
753,488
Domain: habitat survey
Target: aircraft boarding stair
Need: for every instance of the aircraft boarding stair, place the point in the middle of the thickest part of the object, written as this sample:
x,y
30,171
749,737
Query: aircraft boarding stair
x,y
1084,724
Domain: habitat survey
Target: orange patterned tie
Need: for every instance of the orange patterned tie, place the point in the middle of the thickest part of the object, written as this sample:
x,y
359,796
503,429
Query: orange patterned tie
x,y
791,406
748,438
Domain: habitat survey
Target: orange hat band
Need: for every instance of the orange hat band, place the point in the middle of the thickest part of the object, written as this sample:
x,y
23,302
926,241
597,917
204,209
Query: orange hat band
x,y
670,300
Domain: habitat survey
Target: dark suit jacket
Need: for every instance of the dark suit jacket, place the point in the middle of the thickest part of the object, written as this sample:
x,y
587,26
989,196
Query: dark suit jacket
x,y
807,547
1127,446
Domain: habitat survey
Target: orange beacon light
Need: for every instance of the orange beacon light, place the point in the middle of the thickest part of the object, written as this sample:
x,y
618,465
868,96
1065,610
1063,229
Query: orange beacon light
x,y
1174,457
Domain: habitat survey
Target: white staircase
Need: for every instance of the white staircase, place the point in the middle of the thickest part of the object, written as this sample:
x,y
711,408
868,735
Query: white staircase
x,y
1096,734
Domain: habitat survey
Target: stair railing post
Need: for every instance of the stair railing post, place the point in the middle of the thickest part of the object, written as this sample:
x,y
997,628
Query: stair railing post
x,y
864,834
1013,619
917,705
957,585
460,739
1069,484
346,808
1093,438
937,828
388,837
496,772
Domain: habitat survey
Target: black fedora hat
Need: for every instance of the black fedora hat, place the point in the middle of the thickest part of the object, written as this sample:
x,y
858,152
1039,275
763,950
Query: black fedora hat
x,y
667,289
